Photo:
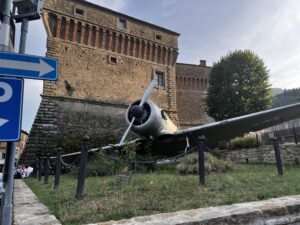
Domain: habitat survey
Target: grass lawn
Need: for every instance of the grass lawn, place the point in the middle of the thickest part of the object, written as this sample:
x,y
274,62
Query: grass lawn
x,y
163,191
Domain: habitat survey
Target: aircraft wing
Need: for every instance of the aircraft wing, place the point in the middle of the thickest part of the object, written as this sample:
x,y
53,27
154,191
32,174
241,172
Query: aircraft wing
x,y
238,126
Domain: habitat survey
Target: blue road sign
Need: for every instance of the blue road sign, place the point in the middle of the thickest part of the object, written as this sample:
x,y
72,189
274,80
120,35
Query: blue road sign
x,y
26,66
11,99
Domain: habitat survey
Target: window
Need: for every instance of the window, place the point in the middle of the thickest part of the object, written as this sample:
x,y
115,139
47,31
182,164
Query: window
x,y
112,60
159,76
158,37
122,24
79,12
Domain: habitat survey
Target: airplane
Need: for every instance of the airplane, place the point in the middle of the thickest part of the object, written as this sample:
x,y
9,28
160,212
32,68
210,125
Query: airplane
x,y
152,123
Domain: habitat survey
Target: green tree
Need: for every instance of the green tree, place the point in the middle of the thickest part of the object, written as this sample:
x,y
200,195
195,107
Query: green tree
x,y
238,85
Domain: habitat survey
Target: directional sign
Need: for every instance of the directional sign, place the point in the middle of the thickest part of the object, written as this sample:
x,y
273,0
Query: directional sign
x,y
11,99
26,66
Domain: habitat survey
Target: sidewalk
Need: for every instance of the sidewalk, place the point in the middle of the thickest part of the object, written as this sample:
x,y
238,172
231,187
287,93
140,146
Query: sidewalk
x,y
27,210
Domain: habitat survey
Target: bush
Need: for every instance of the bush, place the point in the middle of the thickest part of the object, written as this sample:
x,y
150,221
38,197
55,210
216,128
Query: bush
x,y
102,166
124,162
189,165
248,141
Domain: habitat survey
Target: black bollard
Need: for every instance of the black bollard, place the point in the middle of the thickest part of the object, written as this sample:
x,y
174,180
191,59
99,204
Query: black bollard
x,y
277,156
57,168
257,141
295,134
46,169
36,169
40,169
82,166
200,143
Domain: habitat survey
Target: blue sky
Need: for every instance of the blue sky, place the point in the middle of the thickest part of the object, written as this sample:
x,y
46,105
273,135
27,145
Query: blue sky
x,y
209,29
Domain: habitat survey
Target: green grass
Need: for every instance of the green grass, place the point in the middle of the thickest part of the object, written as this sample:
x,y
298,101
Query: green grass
x,y
163,191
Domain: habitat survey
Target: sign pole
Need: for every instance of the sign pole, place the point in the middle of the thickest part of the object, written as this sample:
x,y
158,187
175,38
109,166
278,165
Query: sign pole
x,y
24,31
7,207
5,26
11,146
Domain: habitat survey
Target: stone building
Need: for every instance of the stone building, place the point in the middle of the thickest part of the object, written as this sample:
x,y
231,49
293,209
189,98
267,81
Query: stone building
x,y
19,149
106,61
191,89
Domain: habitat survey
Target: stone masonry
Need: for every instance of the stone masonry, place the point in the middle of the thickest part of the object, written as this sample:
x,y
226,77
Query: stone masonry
x,y
191,90
106,61
290,154
277,211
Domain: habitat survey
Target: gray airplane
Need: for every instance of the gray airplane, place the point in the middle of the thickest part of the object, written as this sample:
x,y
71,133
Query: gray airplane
x,y
150,122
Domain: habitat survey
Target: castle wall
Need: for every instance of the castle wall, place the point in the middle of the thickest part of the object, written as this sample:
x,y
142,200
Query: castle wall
x,y
102,69
191,89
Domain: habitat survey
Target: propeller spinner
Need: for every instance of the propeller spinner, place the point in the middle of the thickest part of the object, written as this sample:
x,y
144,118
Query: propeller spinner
x,y
138,110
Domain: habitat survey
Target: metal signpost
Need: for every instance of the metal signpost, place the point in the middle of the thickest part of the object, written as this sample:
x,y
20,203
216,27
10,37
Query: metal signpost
x,y
11,96
11,89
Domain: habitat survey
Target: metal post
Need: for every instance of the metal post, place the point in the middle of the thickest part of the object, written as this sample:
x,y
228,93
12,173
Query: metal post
x,y
200,142
277,157
23,38
7,200
57,168
5,25
81,173
40,169
36,173
46,169
6,203
295,134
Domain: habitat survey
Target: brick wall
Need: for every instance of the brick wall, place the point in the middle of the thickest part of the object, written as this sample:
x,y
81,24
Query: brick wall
x,y
192,86
102,69
290,154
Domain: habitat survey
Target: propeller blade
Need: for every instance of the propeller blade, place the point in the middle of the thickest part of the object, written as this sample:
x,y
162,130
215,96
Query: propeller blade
x,y
144,99
148,92
127,131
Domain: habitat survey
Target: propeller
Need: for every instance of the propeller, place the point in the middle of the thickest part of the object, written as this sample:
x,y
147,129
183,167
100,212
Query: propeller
x,y
138,110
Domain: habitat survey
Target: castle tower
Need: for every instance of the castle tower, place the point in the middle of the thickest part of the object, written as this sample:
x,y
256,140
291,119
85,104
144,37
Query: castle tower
x,y
191,91
106,61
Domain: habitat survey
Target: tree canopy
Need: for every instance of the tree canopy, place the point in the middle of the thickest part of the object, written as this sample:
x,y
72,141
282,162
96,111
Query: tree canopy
x,y
238,85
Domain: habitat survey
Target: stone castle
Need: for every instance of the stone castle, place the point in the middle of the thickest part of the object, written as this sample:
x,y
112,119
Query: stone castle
x,y
106,61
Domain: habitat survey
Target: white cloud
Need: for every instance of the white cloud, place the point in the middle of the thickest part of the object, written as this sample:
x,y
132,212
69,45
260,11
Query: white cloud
x,y
274,36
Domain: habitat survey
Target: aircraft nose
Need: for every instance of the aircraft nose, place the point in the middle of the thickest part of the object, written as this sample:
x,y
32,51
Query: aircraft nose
x,y
137,111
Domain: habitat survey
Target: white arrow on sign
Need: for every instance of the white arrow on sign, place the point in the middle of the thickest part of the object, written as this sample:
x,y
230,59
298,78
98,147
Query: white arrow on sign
x,y
42,67
3,121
